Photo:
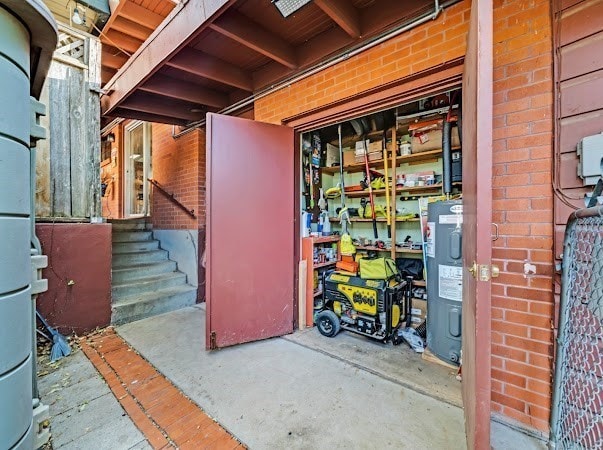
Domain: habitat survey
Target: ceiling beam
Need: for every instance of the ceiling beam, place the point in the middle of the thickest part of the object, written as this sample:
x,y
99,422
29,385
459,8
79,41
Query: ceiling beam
x,y
206,66
140,15
183,90
153,104
121,41
253,36
343,13
130,28
138,115
112,58
182,25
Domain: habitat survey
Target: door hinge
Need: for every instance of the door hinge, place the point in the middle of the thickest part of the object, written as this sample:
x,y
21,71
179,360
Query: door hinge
x,y
484,272
212,341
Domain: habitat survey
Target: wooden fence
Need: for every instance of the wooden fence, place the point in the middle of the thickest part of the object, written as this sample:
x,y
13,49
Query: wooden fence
x,y
68,162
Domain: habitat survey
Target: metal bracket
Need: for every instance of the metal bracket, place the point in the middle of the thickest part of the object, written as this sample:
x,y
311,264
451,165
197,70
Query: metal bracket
x,y
212,341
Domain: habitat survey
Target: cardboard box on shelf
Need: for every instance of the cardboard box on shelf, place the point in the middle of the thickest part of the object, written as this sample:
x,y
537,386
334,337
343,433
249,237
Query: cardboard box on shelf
x,y
360,147
374,156
376,146
418,312
427,136
349,158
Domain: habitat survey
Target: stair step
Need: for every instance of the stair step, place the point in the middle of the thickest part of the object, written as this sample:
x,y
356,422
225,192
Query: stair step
x,y
147,284
120,248
133,225
129,236
124,274
136,307
127,259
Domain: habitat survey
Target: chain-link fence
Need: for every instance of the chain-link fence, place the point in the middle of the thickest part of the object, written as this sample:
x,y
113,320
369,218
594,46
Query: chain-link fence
x,y
577,414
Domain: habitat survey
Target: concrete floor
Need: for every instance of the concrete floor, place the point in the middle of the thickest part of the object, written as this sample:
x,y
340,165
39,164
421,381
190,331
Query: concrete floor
x,y
84,412
399,364
280,394
290,392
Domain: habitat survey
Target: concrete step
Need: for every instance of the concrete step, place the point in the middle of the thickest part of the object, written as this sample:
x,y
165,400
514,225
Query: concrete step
x,y
131,225
147,284
129,236
124,274
139,306
134,246
129,259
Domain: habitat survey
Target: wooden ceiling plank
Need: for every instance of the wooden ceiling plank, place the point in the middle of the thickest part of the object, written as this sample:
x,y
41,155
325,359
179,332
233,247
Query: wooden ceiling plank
x,y
130,28
113,60
163,108
139,115
188,20
343,13
140,15
121,41
182,90
206,66
252,35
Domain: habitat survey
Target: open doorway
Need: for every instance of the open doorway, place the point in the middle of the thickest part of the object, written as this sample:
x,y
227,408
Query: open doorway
x,y
137,169
392,182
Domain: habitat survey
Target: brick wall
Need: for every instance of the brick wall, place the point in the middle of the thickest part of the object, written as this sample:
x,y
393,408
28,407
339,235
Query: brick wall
x,y
179,166
522,307
112,202
429,45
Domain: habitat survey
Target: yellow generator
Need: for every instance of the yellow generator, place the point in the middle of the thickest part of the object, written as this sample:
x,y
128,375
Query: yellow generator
x,y
373,308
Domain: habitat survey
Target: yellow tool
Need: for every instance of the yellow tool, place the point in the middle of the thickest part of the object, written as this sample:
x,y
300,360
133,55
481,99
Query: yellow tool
x,y
387,205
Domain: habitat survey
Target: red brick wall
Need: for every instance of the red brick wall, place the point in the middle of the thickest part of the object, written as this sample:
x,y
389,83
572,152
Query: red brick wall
x,y
522,307
431,44
179,166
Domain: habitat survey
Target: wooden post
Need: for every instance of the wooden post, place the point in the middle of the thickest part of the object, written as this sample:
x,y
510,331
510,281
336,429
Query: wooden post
x,y
393,187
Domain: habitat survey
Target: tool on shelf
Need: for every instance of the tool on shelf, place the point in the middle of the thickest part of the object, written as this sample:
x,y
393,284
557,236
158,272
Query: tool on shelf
x,y
343,214
370,186
387,203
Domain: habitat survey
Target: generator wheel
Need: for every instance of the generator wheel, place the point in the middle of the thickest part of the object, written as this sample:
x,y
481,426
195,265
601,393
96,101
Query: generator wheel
x,y
328,323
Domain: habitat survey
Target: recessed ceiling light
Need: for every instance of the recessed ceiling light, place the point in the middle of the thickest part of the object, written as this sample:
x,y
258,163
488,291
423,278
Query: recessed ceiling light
x,y
288,7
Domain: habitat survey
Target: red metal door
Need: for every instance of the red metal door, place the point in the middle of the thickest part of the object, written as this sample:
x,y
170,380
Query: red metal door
x,y
477,224
250,231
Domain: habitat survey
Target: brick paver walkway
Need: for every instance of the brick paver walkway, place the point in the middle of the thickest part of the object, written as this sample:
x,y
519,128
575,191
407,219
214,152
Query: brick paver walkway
x,y
166,417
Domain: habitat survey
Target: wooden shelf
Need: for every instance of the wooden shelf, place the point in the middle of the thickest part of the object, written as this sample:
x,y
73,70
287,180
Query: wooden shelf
x,y
422,283
325,264
398,250
428,189
378,219
324,239
415,157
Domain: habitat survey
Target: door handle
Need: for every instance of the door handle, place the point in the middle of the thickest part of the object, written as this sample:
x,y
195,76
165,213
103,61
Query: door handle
x,y
484,272
495,237
473,269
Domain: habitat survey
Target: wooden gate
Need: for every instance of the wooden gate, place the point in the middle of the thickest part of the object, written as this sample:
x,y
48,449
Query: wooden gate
x,y
68,162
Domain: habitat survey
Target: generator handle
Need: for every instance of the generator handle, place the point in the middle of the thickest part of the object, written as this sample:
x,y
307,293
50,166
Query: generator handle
x,y
409,283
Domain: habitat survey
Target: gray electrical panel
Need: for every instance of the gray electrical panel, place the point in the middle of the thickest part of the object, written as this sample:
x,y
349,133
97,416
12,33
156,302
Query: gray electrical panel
x,y
590,166
443,252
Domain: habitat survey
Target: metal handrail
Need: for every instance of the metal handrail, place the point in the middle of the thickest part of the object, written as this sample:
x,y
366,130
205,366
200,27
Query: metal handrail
x,y
155,183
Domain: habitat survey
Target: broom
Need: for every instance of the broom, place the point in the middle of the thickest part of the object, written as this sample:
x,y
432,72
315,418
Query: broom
x,y
60,346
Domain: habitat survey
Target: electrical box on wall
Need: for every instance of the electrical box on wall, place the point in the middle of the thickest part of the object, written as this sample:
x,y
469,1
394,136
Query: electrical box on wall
x,y
590,152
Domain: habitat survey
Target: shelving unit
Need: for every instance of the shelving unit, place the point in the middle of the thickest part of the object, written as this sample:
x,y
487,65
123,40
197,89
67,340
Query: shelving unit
x,y
416,157
308,245
430,190
378,219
